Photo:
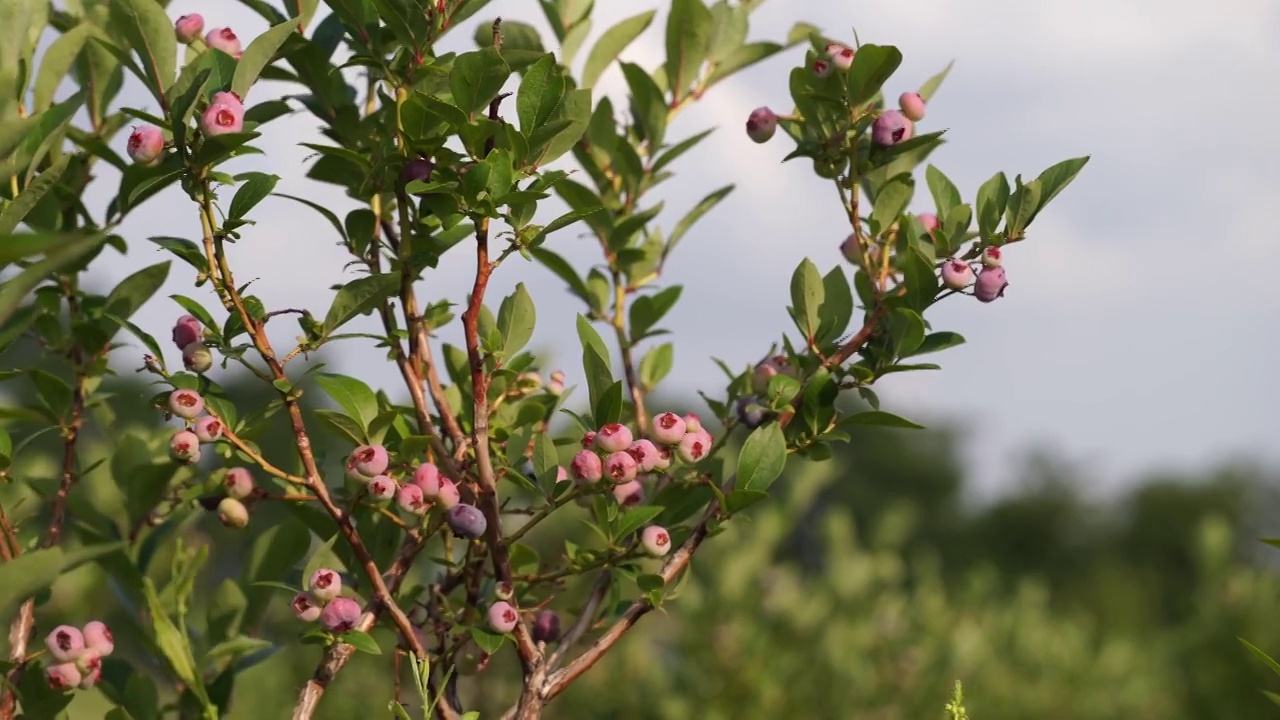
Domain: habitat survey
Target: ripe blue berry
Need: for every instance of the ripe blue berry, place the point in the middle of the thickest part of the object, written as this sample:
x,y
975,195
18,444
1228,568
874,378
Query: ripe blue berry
x,y
891,128
546,627
467,521
990,285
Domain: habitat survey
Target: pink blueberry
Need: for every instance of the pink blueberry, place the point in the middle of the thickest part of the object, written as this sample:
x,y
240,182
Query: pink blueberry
x,y
208,429
821,68
502,617
589,439
629,494
65,643
694,446
990,285
381,487
555,385
186,331
956,274
186,404
645,453
325,585
992,257
370,460
233,513
238,483
692,423
762,123
656,541
188,28
620,467
224,115
427,477
98,638
88,663
409,498
467,521
304,608
448,496
197,358
561,474
340,615
851,250
184,447
668,428
546,627
912,105
841,55
613,437
224,39
62,676
765,371
146,145
664,458
891,128
92,675
586,466
929,221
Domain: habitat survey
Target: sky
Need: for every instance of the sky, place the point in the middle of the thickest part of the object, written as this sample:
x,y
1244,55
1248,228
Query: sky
x,y
1133,333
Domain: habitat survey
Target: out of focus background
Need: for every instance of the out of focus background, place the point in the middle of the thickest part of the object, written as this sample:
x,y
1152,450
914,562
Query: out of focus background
x,y
1075,535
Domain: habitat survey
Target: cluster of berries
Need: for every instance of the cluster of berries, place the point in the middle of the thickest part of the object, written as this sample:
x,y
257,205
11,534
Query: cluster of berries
x,y
79,653
323,601
369,464
991,280
184,447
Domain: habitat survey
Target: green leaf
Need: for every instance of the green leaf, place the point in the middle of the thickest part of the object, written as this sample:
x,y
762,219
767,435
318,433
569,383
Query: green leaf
x,y
881,419
541,89
253,191
686,222
516,319
16,210
569,123
137,289
647,103
352,395
591,339
891,200
872,66
656,365
258,55
935,342
326,212
647,310
611,44
762,458
689,28
26,136
636,518
235,647
1022,205
343,426
361,641
488,641
1055,179
930,86
906,329
58,59
992,197
359,297
16,290
149,30
837,306
945,194
806,297
27,575
1275,667
175,647
476,78
741,58
562,269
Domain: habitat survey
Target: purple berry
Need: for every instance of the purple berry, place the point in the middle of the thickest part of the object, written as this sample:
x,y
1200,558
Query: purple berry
x,y
233,513
187,330
587,467
146,145
502,617
891,128
208,429
370,460
238,483
304,608
419,169
340,615
409,498
912,106
751,412
62,677
188,28
325,585
65,643
762,123
613,437
629,494
448,497
197,358
990,285
546,627
382,487
98,638
668,428
841,55
620,467
992,257
467,521
186,404
184,447
427,477
956,274
656,541
694,446
644,453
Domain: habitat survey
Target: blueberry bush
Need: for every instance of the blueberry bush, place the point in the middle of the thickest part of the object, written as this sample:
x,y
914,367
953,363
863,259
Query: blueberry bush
x,y
401,523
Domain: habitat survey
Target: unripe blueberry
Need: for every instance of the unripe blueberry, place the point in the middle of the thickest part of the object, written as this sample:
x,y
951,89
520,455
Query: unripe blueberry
x,y
370,460
184,447
764,372
912,106
225,40
188,28
992,257
62,677
381,487
504,591
89,662
224,115
620,467
956,274
418,169
467,521
668,428
98,638
561,474
325,585
613,437
340,615
65,643
692,423
656,541
208,429
448,497
233,513
629,494
694,446
751,412
92,676
644,453
821,68
528,382
238,483
851,250
546,627
664,458
197,358
929,221
762,123
409,498
146,145
891,128
186,331
186,404
841,55
502,617
555,385
990,285
587,466
427,477
304,608
589,439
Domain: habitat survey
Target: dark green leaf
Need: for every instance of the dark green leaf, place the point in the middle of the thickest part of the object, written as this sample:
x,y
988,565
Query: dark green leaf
x,y
150,31
872,66
352,395
881,419
516,319
360,296
1055,179
611,44
762,458
258,55
945,194
689,28
476,78
252,192
807,291
361,641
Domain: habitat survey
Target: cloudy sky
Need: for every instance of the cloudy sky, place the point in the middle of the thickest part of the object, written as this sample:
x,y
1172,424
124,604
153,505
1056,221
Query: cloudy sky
x,y
1134,331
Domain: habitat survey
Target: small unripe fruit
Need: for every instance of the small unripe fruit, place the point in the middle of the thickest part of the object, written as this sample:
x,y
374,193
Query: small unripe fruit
x,y
208,429
409,498
233,513
224,115
188,28
370,460
692,423
829,168
186,404
555,386
184,447
65,643
620,467
340,615
381,487
325,584
764,372
304,608
956,274
694,446
587,466
851,250
197,358
427,477
418,169
502,617
238,483
62,677
92,676
645,453
912,106
929,221
98,638
613,437
448,497
992,257
751,412
187,330
656,541
668,428
990,285
88,663
146,145
589,439
891,128
664,458
629,494
546,627
504,591
467,521
821,68
841,55
225,40
762,123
